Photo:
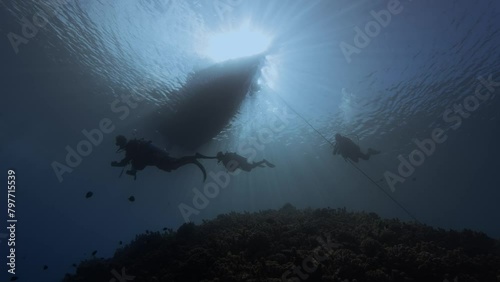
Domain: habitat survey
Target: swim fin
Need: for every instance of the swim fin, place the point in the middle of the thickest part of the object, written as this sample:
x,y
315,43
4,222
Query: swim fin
x,y
198,164
269,164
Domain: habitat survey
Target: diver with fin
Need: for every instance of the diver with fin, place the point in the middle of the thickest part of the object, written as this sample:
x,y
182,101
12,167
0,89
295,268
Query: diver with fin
x,y
233,161
350,150
141,153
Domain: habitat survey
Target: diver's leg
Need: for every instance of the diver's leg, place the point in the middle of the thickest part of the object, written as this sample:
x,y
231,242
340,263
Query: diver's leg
x,y
173,164
354,158
165,165
247,166
182,161
168,164
364,156
200,156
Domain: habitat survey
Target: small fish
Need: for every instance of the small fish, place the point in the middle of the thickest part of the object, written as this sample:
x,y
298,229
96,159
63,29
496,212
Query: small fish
x,y
120,242
93,253
45,267
13,278
165,229
131,198
89,194
74,264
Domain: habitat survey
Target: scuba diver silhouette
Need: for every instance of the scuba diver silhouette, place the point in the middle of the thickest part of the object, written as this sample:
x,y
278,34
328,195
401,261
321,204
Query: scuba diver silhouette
x,y
141,153
233,161
350,150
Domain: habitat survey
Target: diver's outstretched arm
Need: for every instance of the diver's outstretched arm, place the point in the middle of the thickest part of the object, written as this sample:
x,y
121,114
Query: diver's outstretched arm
x,y
121,163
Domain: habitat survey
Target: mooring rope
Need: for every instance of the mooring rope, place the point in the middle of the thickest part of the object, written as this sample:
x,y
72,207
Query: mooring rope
x,y
355,166
310,125
385,192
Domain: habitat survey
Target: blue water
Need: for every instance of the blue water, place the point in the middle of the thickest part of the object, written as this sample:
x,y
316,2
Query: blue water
x,y
401,85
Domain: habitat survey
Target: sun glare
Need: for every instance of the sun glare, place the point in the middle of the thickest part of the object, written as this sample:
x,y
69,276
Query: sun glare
x,y
236,44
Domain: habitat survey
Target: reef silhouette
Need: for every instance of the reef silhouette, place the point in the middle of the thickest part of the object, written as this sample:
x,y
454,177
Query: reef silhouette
x,y
323,244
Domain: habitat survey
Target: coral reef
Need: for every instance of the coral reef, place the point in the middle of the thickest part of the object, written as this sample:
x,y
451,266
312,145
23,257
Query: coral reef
x,y
296,245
